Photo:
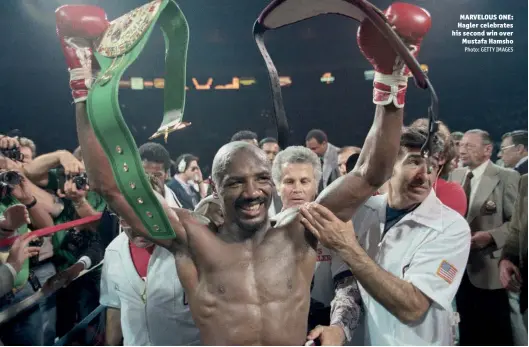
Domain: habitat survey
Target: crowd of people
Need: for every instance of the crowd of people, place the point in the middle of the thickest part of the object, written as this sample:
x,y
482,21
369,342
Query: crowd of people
x,y
454,228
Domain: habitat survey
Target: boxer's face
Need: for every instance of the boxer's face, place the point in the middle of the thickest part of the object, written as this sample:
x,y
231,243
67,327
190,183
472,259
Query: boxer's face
x,y
245,190
410,181
298,185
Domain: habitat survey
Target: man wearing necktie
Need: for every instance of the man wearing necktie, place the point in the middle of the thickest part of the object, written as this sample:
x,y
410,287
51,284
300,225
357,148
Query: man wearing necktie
x,y
316,141
491,192
513,150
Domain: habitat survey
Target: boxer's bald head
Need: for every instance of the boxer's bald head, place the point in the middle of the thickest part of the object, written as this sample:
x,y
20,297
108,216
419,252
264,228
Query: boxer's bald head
x,y
227,153
242,177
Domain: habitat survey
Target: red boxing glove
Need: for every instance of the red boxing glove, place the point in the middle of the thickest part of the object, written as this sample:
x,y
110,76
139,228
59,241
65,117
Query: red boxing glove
x,y
411,23
77,27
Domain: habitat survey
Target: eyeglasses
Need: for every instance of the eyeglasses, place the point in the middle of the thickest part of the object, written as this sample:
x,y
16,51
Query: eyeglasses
x,y
505,147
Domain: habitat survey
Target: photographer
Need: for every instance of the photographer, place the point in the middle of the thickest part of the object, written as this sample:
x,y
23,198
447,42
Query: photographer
x,y
17,204
18,254
76,249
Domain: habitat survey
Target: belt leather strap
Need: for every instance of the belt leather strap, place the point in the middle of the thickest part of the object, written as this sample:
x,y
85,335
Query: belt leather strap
x,y
103,107
282,13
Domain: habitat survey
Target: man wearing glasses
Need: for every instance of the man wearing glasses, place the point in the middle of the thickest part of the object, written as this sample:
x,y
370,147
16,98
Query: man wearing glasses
x,y
513,150
491,191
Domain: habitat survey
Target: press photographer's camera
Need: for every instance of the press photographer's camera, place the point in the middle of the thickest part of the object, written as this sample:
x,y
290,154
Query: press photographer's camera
x,y
8,179
13,154
80,180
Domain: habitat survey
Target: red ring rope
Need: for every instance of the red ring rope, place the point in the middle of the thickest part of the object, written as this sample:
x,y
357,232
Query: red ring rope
x,y
53,229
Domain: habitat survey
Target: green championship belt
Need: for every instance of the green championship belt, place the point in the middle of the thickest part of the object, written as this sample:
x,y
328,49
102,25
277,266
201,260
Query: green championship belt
x,y
119,47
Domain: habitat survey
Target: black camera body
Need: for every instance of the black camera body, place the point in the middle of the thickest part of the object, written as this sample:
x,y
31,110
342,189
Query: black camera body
x,y
80,180
13,154
8,179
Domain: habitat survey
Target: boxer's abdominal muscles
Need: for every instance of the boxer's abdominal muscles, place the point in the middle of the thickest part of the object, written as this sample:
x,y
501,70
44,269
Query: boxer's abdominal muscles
x,y
258,296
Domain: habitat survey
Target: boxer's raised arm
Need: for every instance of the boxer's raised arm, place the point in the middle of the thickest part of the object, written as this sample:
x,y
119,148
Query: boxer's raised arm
x,y
102,181
78,26
375,165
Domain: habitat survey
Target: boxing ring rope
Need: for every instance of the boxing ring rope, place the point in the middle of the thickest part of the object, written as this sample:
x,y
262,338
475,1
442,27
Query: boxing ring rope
x,y
82,325
55,228
15,309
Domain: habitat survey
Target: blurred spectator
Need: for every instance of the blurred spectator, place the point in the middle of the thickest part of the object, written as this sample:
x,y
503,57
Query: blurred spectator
x,y
246,136
513,150
19,252
482,302
513,265
456,138
138,315
343,156
185,183
316,141
451,194
157,162
36,326
270,146
28,149
335,300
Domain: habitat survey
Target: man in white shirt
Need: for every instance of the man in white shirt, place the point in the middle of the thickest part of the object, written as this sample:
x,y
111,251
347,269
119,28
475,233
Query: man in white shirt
x,y
146,304
408,254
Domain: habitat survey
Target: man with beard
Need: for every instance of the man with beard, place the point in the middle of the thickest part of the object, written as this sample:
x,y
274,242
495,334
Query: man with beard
x,y
408,256
248,283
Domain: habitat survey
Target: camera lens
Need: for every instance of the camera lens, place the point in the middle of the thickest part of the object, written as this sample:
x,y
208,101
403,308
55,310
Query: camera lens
x,y
10,177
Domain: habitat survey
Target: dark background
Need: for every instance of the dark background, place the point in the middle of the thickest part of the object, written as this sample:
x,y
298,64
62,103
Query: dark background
x,y
476,90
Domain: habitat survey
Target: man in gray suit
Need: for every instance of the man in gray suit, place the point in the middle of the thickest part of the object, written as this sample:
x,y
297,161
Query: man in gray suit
x,y
316,141
491,192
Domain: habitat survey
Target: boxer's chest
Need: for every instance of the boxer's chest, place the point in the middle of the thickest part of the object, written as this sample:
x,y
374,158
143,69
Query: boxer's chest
x,y
269,272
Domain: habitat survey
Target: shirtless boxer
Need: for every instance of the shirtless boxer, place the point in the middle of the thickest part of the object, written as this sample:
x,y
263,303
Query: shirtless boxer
x,y
249,284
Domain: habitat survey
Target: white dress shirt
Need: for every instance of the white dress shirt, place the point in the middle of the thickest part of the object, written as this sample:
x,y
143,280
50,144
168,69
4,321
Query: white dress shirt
x,y
474,183
429,248
520,162
154,312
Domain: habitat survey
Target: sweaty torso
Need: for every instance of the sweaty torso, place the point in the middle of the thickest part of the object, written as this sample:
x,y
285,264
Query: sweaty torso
x,y
248,293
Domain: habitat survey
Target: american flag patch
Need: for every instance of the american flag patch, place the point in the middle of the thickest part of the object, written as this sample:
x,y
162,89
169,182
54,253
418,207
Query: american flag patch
x,y
447,271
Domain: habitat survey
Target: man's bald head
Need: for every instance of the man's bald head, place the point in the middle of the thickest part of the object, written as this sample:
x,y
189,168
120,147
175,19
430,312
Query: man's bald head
x,y
226,154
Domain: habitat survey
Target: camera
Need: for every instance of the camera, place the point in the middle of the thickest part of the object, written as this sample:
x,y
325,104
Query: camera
x,y
13,154
10,178
7,180
80,180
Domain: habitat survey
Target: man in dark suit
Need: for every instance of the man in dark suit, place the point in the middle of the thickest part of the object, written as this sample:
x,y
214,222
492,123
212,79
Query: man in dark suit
x,y
513,150
513,265
482,301
183,183
316,141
